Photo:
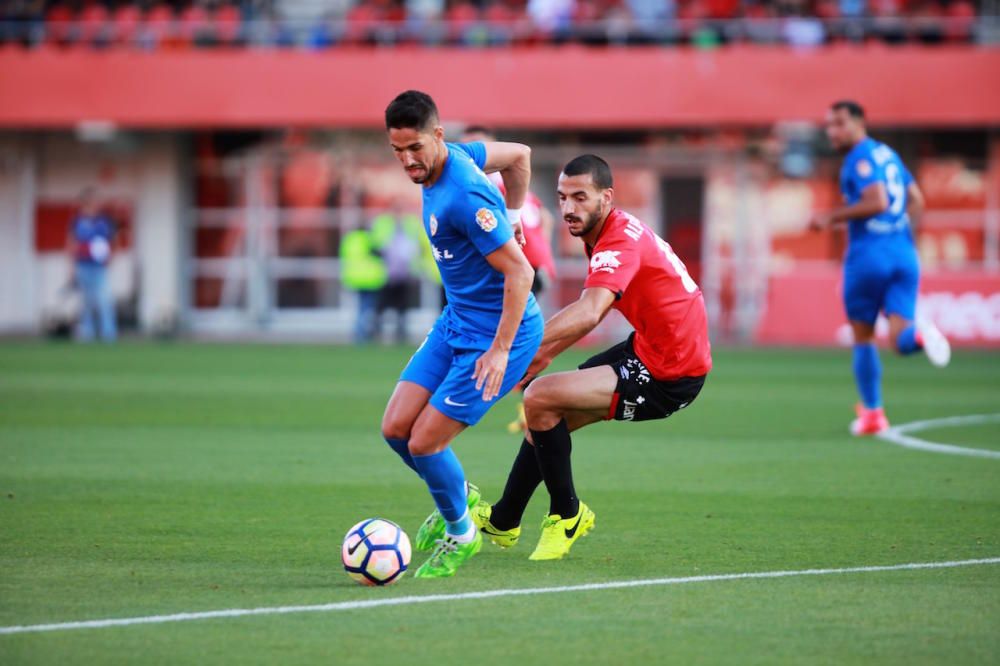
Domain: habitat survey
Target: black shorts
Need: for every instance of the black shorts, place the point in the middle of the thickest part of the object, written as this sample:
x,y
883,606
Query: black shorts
x,y
638,396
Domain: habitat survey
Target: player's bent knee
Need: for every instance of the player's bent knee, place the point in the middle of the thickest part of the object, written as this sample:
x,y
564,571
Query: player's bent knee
x,y
422,446
394,427
539,409
536,396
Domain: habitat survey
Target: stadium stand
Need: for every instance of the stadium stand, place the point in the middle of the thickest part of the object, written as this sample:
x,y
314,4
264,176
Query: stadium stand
x,y
321,24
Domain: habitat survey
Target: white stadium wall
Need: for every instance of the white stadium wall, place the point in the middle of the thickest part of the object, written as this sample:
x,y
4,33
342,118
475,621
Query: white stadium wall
x,y
140,174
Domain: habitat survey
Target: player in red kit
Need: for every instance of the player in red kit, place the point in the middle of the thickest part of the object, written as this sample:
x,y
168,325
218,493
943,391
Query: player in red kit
x,y
657,371
536,221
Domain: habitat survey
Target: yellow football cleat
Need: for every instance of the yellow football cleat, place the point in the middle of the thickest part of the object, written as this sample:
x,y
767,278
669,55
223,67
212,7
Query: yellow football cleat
x,y
558,534
481,517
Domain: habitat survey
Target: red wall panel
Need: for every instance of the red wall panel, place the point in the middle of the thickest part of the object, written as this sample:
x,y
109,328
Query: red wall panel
x,y
544,87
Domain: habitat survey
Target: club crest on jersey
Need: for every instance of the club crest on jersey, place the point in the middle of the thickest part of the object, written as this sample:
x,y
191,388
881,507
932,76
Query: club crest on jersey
x,y
864,168
486,220
433,225
606,261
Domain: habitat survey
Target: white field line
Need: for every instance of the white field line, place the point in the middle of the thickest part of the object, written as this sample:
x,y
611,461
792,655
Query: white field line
x,y
488,594
898,435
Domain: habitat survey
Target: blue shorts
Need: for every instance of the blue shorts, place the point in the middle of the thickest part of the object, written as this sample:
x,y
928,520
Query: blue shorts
x,y
881,277
444,364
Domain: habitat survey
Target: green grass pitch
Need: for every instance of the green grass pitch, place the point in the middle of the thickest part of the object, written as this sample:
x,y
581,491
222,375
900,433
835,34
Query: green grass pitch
x,y
149,479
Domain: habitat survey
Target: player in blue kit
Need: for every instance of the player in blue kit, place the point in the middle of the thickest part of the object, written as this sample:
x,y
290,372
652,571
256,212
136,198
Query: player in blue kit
x,y
485,338
881,270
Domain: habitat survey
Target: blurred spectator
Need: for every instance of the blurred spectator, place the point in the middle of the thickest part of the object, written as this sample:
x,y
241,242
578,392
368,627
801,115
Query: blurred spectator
x,y
852,8
551,17
422,17
887,24
91,234
322,24
398,237
803,31
651,17
363,271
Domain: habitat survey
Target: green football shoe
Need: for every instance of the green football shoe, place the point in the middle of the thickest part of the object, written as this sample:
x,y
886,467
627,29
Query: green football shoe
x,y
448,556
432,529
481,514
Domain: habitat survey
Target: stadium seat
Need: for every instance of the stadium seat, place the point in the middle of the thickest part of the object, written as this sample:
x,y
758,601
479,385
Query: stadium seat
x,y
461,19
95,25
961,17
361,22
228,25
159,27
195,27
125,25
500,20
59,25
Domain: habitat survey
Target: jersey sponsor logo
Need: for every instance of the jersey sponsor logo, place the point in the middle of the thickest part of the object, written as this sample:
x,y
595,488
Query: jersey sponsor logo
x,y
638,369
486,220
606,261
440,256
434,225
628,413
864,168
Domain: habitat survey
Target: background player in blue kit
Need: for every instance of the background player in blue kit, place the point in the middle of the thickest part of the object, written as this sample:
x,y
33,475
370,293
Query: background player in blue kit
x,y
881,270
485,338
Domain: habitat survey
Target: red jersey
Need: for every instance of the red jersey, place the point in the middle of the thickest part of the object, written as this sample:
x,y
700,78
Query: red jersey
x,y
537,248
656,295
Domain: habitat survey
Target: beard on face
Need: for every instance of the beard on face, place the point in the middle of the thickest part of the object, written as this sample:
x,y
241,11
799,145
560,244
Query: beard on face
x,y
420,175
588,224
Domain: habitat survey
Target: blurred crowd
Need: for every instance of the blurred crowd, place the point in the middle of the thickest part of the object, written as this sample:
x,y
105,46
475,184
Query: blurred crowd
x,y
320,24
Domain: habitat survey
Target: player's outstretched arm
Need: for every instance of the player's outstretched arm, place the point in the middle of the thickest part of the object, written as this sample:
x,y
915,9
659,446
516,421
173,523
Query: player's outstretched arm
x,y
513,161
518,275
874,200
569,325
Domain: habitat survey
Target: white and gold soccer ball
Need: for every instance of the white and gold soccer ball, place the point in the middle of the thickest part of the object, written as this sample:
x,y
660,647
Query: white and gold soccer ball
x,y
376,552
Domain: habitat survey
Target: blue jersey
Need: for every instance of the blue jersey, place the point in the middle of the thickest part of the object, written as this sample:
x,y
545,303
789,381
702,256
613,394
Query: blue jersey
x,y
872,162
466,219
92,238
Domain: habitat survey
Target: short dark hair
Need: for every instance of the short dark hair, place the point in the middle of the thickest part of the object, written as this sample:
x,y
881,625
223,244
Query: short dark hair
x,y
853,109
411,110
593,165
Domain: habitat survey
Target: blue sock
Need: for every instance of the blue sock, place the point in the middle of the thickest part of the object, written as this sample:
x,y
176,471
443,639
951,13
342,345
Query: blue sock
x,y
446,480
402,447
907,343
868,375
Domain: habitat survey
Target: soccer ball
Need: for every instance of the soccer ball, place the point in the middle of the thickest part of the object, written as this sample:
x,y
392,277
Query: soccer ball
x,y
376,552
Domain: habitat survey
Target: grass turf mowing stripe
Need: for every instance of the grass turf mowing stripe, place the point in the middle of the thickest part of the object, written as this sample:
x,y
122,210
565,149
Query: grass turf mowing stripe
x,y
488,594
